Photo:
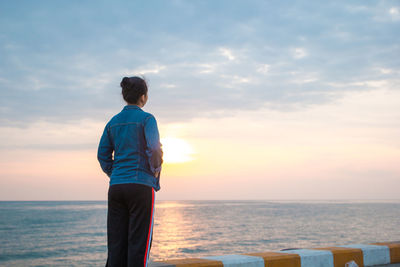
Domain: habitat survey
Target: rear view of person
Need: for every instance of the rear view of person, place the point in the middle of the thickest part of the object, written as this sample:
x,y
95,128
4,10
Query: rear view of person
x,y
130,154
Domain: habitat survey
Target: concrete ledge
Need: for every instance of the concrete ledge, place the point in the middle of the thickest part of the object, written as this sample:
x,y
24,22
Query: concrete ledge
x,y
277,259
342,255
394,248
373,254
383,254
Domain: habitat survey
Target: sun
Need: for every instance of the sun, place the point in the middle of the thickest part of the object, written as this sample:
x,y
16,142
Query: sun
x,y
176,150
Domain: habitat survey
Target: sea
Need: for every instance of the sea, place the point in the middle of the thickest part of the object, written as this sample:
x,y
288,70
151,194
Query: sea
x,y
74,233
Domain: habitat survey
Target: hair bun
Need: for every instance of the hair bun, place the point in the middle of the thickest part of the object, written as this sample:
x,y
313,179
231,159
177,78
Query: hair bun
x,y
125,82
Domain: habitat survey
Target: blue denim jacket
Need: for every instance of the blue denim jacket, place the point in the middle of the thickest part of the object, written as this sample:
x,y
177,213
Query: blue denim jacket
x,y
132,135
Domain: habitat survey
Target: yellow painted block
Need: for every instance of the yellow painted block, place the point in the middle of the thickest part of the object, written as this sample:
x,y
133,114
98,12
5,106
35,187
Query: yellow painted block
x,y
276,259
394,248
194,262
343,255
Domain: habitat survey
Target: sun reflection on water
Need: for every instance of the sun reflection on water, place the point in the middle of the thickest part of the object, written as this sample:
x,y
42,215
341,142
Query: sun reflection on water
x,y
171,230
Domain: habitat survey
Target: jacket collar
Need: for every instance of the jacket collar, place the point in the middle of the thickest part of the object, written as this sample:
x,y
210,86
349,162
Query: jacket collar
x,y
132,107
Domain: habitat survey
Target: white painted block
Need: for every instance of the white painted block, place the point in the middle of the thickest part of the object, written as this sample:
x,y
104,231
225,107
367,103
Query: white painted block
x,y
238,260
373,254
312,258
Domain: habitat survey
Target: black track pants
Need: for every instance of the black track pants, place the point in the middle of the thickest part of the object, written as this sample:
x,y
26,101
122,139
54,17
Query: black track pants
x,y
129,224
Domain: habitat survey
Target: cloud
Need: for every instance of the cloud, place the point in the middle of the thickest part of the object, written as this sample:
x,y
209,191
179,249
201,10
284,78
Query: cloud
x,y
207,67
394,13
269,55
152,69
168,85
299,53
386,71
42,135
367,84
227,53
263,68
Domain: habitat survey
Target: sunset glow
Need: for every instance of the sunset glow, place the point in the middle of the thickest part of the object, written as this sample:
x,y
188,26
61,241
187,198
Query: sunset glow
x,y
256,100
176,150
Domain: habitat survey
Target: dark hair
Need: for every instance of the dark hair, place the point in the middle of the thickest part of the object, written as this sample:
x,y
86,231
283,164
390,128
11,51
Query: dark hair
x,y
133,88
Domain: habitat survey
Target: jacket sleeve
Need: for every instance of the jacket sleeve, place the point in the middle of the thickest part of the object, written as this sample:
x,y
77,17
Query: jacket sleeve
x,y
153,149
105,151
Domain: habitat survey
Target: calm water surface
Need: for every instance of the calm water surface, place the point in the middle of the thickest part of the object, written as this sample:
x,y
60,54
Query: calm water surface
x,y
73,233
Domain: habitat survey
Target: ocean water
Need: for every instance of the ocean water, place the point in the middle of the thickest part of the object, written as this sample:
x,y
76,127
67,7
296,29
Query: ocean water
x,y
73,233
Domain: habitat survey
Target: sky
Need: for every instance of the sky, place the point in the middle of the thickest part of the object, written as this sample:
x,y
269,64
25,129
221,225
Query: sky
x,y
270,100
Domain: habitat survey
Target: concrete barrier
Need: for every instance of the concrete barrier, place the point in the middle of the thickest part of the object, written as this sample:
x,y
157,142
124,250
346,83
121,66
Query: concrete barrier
x,y
376,254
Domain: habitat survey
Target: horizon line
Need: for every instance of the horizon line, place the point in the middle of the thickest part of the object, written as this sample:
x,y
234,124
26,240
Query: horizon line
x,y
281,199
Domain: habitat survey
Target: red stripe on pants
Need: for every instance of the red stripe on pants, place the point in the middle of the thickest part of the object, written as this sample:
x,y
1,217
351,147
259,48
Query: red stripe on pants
x,y
150,228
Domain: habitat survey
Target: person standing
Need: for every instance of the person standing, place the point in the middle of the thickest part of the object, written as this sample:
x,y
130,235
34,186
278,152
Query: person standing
x,y
130,153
